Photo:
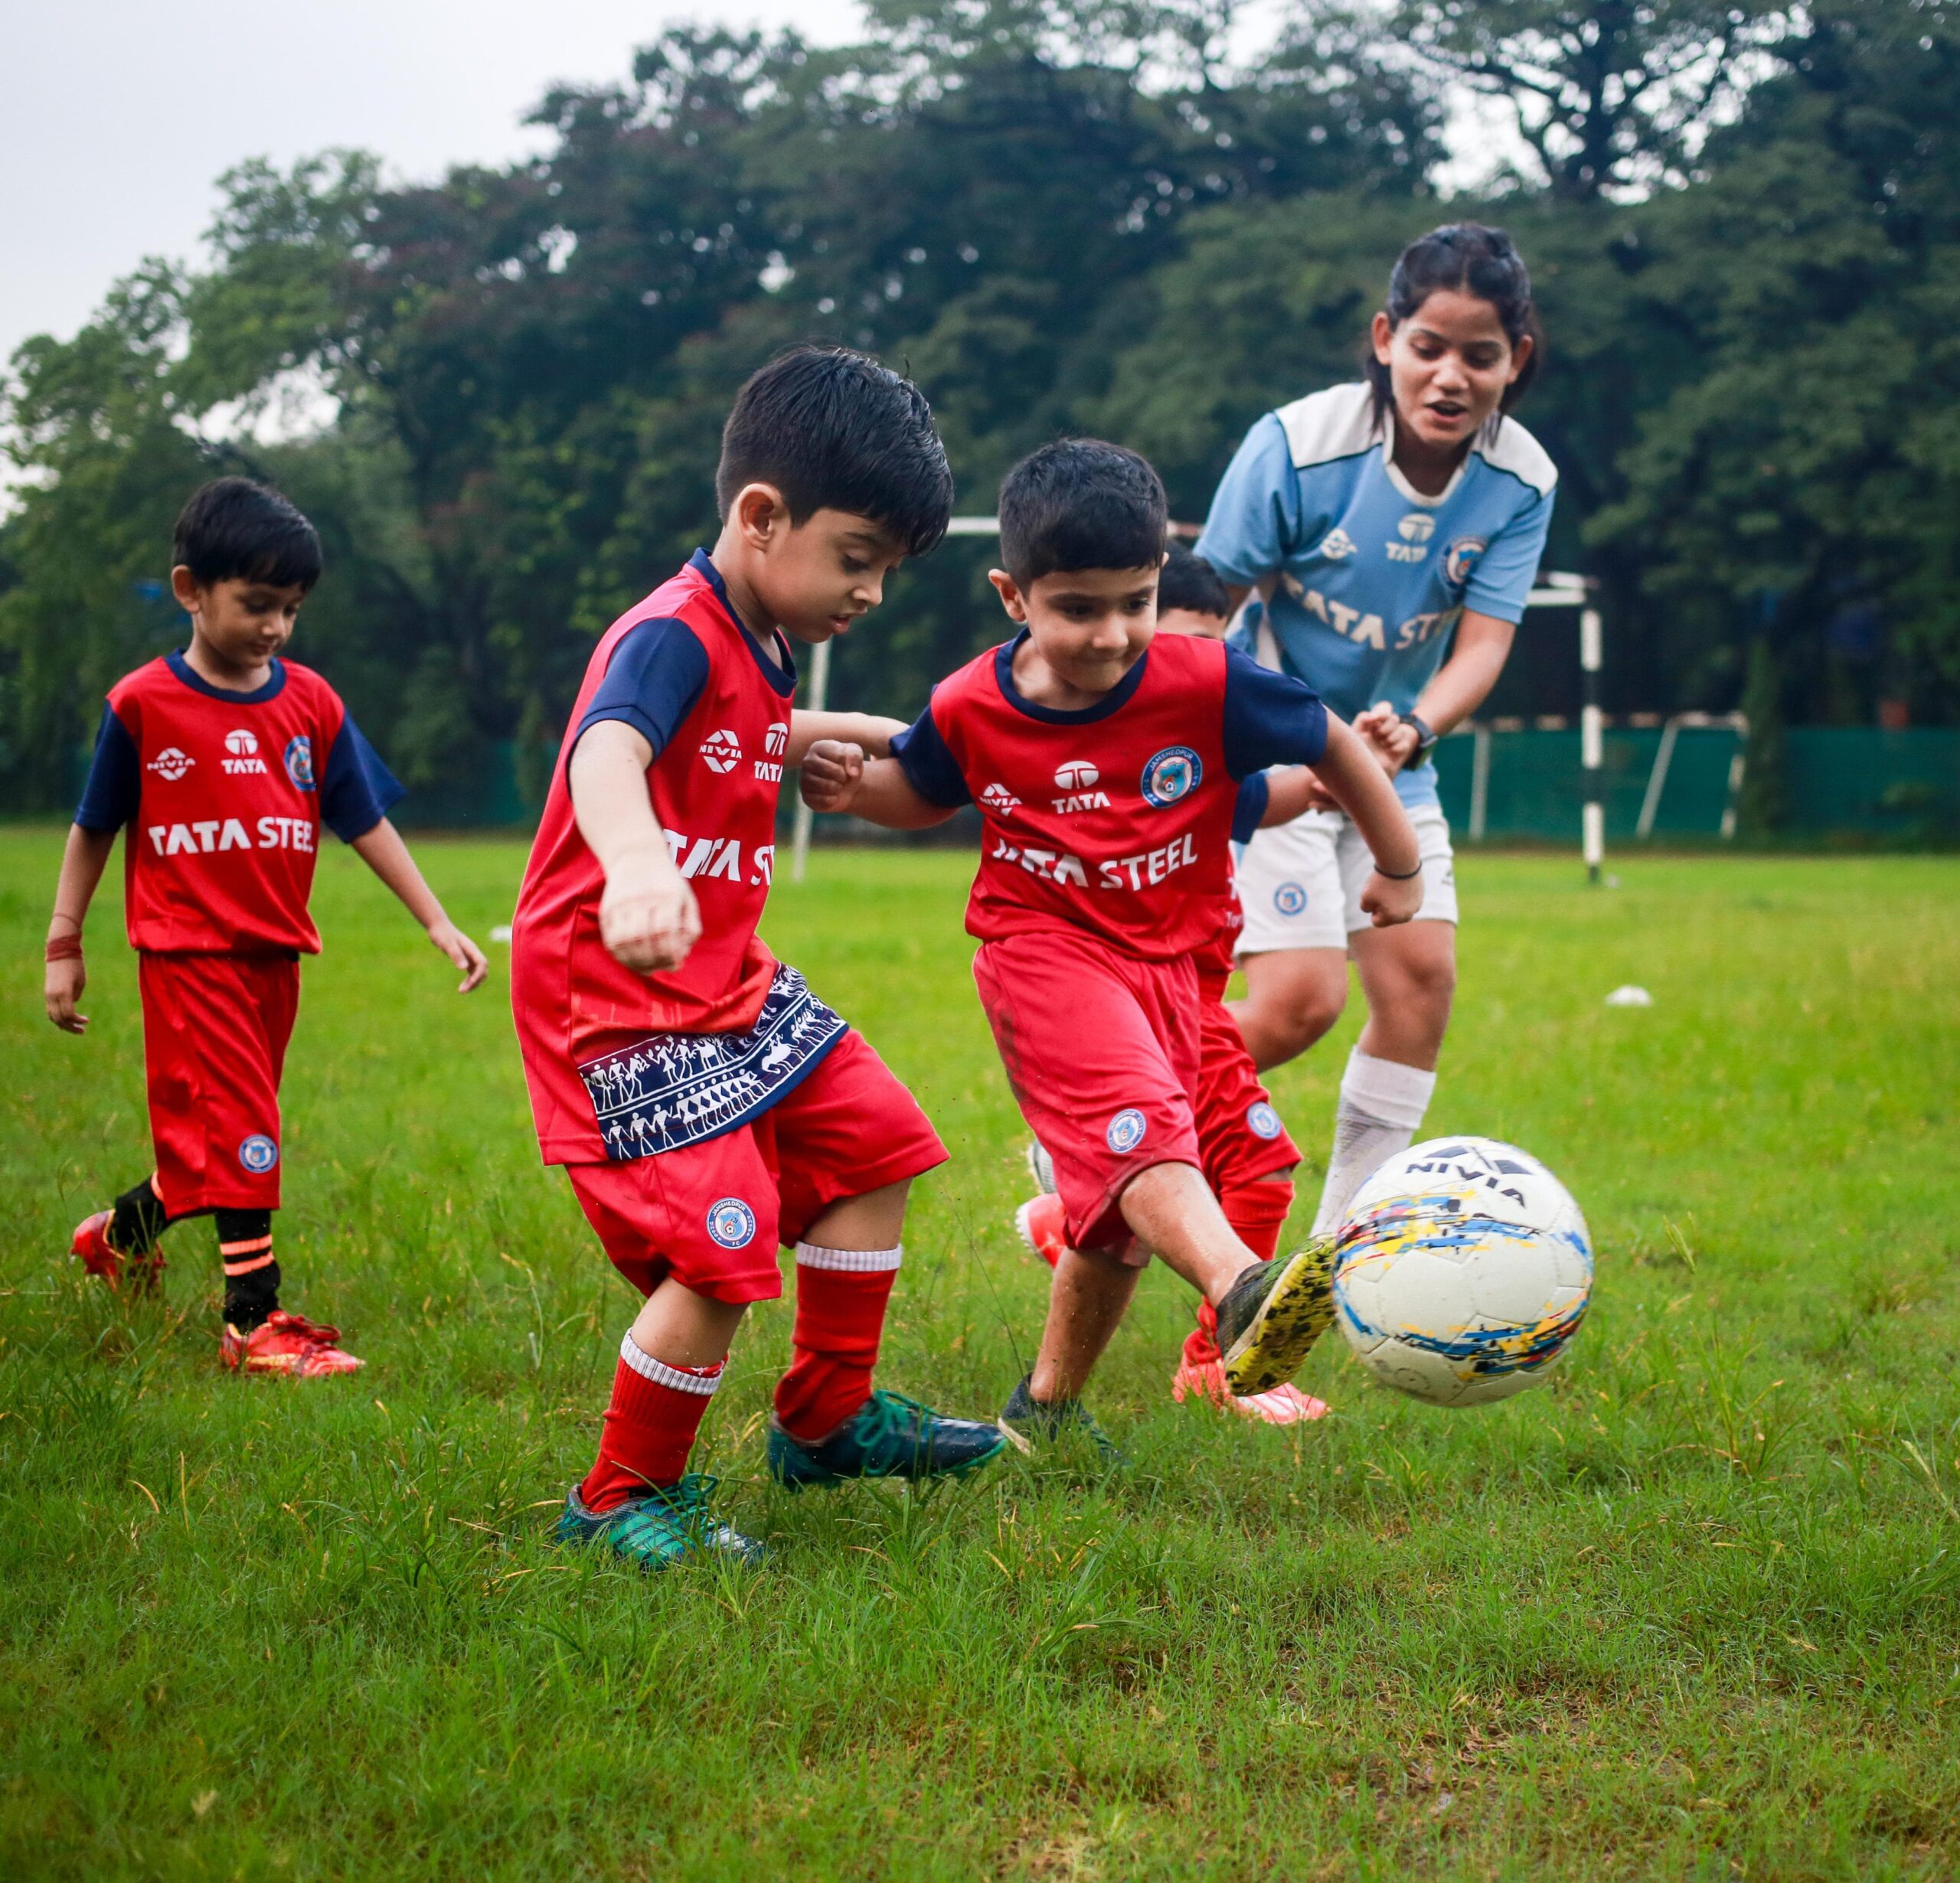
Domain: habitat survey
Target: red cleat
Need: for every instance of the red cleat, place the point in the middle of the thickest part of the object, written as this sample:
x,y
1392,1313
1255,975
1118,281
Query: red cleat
x,y
1041,1221
1284,1405
92,1247
289,1343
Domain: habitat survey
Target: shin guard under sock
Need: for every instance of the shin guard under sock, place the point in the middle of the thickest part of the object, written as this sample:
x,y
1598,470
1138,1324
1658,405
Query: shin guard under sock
x,y
251,1270
650,1426
840,1298
1257,1212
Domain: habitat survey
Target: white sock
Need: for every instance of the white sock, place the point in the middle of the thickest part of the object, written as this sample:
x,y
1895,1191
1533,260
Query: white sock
x,y
1381,1107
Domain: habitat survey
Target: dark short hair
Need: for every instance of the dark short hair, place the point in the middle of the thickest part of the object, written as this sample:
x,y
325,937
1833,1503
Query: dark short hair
x,y
233,529
832,429
1189,582
1081,504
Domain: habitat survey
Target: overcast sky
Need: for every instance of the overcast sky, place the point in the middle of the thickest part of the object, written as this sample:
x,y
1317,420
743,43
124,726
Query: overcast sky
x,y
117,115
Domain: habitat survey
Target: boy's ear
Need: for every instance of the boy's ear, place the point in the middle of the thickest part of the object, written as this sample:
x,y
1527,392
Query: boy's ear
x,y
1009,591
759,515
184,587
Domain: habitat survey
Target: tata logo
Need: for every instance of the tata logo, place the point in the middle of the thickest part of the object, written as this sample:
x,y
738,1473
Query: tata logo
x,y
1075,781
999,800
1415,529
1125,1130
1337,546
732,1223
1461,559
171,764
241,752
299,755
722,750
775,741
1171,775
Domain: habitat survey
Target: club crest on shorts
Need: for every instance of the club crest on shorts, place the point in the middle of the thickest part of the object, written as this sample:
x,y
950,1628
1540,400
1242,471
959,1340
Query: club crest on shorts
x,y
258,1154
1125,1130
1261,1120
1171,774
732,1223
299,762
1290,899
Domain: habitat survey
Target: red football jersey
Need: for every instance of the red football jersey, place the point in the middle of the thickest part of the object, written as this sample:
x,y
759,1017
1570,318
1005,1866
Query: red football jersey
x,y
224,794
1117,818
716,709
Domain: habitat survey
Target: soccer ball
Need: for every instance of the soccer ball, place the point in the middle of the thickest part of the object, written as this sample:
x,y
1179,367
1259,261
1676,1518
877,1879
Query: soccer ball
x,y
1462,1271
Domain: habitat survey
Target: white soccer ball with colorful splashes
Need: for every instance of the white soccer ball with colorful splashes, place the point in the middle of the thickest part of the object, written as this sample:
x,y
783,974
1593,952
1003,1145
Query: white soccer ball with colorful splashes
x,y
1463,1271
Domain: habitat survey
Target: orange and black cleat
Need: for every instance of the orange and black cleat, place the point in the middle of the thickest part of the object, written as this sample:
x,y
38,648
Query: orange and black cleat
x,y
92,1247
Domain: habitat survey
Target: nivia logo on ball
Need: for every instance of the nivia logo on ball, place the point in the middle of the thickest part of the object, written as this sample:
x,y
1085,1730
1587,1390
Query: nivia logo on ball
x,y
258,1154
732,1223
1171,774
1125,1130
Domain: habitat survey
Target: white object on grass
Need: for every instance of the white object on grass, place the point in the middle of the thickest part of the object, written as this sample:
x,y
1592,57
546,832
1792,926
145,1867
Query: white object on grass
x,y
501,932
1629,995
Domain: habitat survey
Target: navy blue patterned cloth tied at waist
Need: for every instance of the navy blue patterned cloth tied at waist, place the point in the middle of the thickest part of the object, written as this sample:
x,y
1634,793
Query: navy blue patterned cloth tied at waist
x,y
672,1089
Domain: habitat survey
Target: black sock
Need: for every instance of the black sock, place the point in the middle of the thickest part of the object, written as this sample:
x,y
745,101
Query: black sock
x,y
138,1220
251,1274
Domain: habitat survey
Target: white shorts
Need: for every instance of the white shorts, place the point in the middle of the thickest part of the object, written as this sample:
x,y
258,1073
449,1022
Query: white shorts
x,y
1301,883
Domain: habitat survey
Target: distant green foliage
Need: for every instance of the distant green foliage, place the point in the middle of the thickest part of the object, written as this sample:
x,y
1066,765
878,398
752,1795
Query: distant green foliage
x,y
1062,216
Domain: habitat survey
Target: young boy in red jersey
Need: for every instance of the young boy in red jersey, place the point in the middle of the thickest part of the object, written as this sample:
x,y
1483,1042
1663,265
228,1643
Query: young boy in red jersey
x,y
1105,762
1247,1154
706,1105
223,761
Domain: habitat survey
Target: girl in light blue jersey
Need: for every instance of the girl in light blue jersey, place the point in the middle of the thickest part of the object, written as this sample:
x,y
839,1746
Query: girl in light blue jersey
x,y
1392,528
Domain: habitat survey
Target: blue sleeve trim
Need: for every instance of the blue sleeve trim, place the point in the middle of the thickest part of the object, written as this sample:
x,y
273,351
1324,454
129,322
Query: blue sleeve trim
x,y
1270,718
115,777
358,789
927,762
1255,793
658,670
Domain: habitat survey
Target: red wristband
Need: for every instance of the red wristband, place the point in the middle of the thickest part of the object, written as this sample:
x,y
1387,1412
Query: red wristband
x,y
64,947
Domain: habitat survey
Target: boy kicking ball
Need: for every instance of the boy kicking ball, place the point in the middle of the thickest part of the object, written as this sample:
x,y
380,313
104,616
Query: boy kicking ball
x,y
705,1104
1106,762
221,762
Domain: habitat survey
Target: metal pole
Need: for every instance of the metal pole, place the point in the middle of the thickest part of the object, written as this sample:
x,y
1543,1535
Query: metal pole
x,y
819,692
1480,781
1592,743
1657,779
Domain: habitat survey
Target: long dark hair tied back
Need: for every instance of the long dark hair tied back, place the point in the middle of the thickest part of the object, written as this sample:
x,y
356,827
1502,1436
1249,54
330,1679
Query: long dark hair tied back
x,y
1469,258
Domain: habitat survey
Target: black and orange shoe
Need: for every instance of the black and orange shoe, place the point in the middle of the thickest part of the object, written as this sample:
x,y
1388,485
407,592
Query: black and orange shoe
x,y
91,1247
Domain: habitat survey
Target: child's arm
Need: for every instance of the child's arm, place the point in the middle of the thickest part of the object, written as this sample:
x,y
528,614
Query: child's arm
x,y
647,917
1354,779
82,865
1290,792
868,729
837,777
383,851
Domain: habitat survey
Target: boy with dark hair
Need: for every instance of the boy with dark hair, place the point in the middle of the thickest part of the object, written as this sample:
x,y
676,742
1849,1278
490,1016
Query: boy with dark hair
x,y
223,760
1247,1155
1105,762
705,1104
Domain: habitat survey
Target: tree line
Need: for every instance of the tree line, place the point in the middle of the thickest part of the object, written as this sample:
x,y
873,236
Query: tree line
x,y
1743,223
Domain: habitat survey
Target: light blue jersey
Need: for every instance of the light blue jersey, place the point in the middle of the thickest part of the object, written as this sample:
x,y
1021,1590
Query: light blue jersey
x,y
1370,576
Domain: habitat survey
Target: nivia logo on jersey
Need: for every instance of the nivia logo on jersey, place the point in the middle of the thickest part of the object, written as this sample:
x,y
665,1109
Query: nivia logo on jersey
x,y
241,754
722,751
999,800
171,764
1171,775
1415,529
1076,781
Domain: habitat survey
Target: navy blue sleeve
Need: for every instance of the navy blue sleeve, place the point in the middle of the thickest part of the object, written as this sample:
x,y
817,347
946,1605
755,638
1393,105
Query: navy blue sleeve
x,y
358,789
929,765
1255,793
658,670
115,777
1270,718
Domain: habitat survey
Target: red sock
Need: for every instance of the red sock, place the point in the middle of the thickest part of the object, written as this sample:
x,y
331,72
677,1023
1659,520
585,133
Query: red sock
x,y
841,1296
1258,1212
650,1426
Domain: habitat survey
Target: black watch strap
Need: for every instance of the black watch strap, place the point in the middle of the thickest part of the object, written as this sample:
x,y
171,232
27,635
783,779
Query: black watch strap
x,y
1425,739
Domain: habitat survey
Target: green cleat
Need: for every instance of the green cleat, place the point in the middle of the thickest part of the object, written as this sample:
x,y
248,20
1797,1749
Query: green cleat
x,y
889,1435
1025,1423
670,1525
1273,1314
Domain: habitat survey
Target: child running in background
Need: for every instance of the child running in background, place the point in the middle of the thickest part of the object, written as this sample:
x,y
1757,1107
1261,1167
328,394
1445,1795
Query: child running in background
x,y
221,762
1105,760
706,1105
1247,1156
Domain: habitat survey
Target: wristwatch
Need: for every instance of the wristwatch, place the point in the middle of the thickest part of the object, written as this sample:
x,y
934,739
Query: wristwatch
x,y
1425,739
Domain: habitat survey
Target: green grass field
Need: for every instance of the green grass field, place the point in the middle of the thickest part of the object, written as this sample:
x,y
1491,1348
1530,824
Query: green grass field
x,y
1694,1611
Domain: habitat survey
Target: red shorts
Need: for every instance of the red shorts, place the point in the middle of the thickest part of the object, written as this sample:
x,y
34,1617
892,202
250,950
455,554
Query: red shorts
x,y
215,1028
1102,1051
1238,1133
711,1215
